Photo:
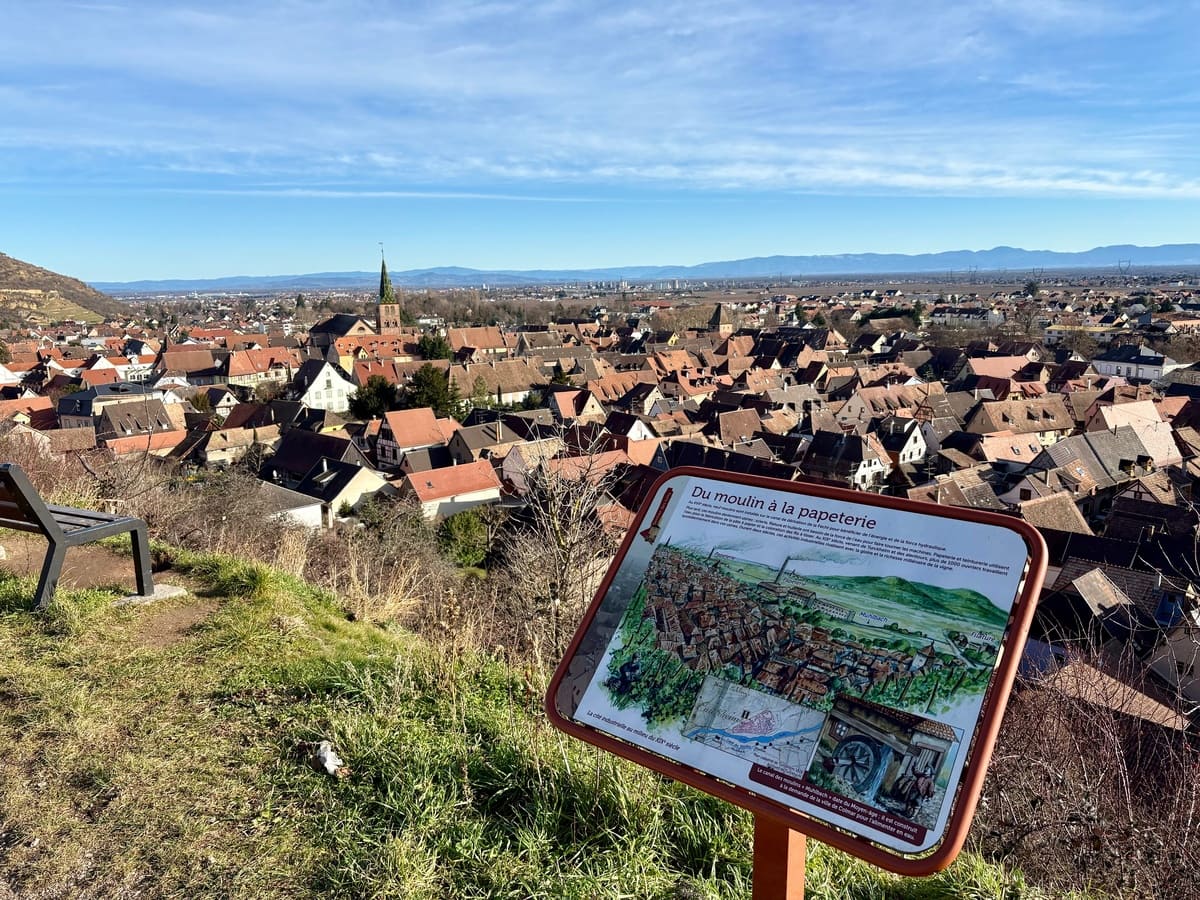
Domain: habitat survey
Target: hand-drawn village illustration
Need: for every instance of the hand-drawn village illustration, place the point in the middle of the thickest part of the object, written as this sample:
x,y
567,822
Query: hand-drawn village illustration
x,y
838,680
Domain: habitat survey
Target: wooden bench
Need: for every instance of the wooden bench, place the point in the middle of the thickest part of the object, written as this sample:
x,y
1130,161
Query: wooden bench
x,y
22,508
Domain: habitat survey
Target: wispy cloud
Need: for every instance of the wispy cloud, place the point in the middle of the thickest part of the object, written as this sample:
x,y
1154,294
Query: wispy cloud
x,y
491,99
350,194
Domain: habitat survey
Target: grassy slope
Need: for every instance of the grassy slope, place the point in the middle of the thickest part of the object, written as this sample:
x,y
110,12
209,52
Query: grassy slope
x,y
132,768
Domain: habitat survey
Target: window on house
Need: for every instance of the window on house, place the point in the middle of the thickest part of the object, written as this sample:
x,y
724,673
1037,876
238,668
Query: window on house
x,y
1026,494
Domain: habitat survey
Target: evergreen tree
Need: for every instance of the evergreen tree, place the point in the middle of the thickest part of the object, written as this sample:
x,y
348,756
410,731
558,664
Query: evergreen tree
x,y
433,388
434,346
373,399
480,395
464,538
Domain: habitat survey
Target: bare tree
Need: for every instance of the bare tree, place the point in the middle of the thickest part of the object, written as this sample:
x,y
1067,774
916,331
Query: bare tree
x,y
390,570
1091,785
556,549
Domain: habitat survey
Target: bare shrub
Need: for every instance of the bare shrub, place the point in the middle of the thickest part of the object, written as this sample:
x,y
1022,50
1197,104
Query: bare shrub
x,y
292,550
221,513
59,478
548,556
555,551
388,570
1082,795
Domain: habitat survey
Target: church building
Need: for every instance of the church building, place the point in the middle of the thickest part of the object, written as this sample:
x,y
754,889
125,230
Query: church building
x,y
387,313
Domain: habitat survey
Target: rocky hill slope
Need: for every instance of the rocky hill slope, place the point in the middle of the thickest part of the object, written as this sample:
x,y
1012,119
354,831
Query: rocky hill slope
x,y
30,294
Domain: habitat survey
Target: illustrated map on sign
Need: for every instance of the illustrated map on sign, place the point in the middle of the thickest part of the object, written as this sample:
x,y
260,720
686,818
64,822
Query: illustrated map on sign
x,y
754,726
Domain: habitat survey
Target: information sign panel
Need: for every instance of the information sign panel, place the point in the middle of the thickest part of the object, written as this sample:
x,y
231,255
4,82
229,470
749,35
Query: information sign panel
x,y
833,659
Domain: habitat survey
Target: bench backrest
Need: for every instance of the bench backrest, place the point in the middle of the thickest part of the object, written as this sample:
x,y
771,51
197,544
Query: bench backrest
x,y
21,506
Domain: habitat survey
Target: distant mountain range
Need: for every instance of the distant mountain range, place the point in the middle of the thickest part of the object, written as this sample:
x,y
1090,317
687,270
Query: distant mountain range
x,y
1013,259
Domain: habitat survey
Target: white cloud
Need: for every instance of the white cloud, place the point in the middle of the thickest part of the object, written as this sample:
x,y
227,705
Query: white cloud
x,y
349,194
491,98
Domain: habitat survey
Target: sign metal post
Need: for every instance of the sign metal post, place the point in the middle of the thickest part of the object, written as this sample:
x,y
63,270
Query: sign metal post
x,y
778,860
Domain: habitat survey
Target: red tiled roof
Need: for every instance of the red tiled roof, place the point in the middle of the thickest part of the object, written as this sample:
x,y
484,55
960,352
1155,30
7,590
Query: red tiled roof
x,y
615,518
614,387
483,337
252,362
448,427
145,443
997,366
452,481
382,346
99,376
593,466
414,427
564,403
29,405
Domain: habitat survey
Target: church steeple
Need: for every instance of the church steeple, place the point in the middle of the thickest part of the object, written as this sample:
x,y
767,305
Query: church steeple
x,y
387,293
387,312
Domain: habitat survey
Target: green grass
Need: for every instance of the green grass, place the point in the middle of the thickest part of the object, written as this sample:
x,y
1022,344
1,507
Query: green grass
x,y
169,768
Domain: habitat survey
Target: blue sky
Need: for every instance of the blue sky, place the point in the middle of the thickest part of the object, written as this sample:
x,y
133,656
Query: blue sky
x,y
158,139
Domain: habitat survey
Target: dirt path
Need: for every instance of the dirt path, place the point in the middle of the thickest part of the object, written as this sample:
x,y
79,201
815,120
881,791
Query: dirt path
x,y
93,566
86,567
164,627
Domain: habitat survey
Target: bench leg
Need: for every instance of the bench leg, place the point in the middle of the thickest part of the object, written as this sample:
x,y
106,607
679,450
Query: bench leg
x,y
141,561
51,569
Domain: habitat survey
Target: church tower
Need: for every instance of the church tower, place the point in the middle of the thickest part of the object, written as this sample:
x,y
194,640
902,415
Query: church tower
x,y
387,313
721,322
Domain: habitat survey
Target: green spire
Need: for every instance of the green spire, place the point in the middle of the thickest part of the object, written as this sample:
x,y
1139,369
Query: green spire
x,y
386,292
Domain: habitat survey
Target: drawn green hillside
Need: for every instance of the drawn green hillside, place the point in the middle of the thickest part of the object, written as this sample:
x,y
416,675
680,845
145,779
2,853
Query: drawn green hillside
x,y
953,602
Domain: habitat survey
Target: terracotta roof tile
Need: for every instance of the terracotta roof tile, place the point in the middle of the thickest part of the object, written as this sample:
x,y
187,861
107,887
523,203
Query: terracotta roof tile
x,y
438,484
414,427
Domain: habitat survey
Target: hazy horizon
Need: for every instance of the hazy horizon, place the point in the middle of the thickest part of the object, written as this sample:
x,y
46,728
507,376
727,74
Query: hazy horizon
x,y
152,141
736,269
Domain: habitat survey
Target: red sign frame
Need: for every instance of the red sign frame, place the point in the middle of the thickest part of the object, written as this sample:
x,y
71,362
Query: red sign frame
x,y
977,746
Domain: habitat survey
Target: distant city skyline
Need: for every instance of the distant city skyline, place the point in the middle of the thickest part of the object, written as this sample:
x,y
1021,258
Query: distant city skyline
x,y
153,140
